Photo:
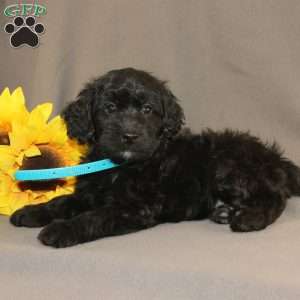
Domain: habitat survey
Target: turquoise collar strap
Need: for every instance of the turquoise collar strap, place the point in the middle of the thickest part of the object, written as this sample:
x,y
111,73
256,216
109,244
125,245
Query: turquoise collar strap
x,y
54,173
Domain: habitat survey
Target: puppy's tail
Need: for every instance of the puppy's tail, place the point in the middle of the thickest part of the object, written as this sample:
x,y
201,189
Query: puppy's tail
x,y
293,173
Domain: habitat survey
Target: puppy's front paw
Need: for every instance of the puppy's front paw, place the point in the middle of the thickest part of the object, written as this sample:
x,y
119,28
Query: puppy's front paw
x,y
31,216
58,234
248,220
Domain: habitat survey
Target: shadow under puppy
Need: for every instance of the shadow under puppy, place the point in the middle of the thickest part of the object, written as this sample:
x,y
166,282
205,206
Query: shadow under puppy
x,y
166,175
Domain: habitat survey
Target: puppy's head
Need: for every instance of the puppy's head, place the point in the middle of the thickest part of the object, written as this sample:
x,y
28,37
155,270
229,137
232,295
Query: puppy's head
x,y
126,113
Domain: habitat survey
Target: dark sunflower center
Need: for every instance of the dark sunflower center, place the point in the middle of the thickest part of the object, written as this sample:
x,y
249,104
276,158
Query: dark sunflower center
x,y
4,138
48,159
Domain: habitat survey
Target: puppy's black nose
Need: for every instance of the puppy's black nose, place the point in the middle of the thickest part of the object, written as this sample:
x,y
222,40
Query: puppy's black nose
x,y
129,137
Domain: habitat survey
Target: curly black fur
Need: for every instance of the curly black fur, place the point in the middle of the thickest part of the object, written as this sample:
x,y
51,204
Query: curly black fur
x,y
166,175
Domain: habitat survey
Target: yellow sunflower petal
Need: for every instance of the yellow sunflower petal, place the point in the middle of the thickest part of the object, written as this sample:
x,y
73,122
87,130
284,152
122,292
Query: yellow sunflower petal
x,y
18,200
19,138
5,184
5,94
7,159
12,106
40,115
55,132
18,96
19,158
4,207
32,151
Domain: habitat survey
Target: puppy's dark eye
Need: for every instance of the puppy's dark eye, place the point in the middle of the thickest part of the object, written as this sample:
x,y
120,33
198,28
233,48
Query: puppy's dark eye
x,y
146,109
110,107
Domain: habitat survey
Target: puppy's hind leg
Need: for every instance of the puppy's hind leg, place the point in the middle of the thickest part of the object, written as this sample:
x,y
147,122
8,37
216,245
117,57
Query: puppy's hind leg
x,y
262,212
249,204
264,204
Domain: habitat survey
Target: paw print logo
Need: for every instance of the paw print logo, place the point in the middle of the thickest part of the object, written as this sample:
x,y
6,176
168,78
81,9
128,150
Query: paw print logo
x,y
24,31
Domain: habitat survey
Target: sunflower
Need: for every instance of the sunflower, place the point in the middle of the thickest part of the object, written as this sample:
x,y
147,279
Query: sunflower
x,y
30,141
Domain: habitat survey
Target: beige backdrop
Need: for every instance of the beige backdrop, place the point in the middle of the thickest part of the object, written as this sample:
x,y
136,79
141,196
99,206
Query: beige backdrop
x,y
232,63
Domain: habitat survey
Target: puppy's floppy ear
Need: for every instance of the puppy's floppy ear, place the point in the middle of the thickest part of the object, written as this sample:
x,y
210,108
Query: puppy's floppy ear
x,y
173,115
79,116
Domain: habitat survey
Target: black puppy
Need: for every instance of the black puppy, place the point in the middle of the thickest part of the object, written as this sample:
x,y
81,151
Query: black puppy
x,y
166,175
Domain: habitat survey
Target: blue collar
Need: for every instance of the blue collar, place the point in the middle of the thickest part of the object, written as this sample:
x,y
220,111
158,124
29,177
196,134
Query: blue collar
x,y
54,173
